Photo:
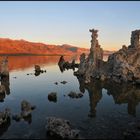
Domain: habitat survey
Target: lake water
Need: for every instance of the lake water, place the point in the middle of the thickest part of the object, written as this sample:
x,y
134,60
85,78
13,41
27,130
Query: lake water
x,y
105,111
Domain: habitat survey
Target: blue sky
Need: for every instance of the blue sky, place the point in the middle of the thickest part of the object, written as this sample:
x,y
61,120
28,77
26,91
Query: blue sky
x,y
69,22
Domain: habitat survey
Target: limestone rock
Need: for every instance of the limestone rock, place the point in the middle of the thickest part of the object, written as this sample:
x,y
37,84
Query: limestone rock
x,y
57,127
89,65
135,39
122,66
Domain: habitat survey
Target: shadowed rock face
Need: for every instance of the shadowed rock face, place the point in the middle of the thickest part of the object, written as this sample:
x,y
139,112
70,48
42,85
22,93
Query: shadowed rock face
x,y
122,66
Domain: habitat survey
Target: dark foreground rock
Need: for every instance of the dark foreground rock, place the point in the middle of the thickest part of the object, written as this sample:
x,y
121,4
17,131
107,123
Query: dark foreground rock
x,y
60,128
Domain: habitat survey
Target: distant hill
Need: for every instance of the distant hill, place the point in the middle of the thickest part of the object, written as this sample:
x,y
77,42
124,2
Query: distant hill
x,y
9,46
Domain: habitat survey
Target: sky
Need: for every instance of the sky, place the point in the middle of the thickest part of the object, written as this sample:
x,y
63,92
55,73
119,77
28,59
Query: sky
x,y
59,22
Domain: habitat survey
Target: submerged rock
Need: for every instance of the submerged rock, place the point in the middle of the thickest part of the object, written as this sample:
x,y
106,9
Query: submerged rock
x,y
75,95
4,116
52,97
57,127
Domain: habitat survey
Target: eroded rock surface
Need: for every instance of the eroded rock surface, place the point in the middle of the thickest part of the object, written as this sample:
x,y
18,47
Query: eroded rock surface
x,y
92,63
57,127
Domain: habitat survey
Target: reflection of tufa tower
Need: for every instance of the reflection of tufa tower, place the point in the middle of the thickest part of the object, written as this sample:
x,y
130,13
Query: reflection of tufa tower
x,y
96,53
4,78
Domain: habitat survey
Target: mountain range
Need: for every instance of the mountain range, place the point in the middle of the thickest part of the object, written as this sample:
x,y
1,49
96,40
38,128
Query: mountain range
x,y
23,47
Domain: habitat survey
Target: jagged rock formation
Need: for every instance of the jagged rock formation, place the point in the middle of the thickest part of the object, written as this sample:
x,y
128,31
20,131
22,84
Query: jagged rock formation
x,y
93,62
96,52
122,66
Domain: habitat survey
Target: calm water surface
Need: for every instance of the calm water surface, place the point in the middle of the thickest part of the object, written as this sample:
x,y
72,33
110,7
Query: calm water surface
x,y
105,110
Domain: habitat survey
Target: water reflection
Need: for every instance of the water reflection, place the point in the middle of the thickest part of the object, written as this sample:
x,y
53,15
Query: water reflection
x,y
128,94
23,62
122,94
4,127
28,119
4,79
